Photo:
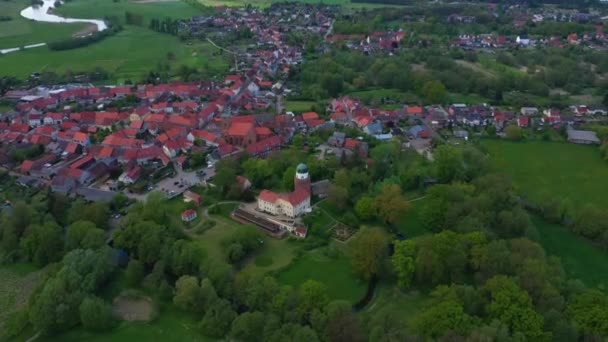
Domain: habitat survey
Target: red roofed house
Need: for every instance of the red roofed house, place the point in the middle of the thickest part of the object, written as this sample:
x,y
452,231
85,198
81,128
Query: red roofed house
x,y
190,196
414,110
240,133
310,116
523,121
292,204
131,176
189,215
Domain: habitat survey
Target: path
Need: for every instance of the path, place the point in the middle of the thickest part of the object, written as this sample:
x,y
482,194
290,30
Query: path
x,y
221,48
206,213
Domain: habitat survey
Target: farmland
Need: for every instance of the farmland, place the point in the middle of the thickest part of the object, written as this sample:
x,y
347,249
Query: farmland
x,y
126,55
556,169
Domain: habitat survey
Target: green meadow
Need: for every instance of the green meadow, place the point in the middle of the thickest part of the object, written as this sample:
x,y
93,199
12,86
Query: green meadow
x,y
575,172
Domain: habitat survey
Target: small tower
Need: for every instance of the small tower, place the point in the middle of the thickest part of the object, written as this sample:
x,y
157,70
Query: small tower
x,y
301,179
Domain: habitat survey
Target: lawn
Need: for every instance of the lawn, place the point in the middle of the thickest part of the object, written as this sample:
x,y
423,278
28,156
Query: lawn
x,y
275,255
128,55
409,224
298,106
388,298
335,273
17,282
171,325
569,171
20,31
580,259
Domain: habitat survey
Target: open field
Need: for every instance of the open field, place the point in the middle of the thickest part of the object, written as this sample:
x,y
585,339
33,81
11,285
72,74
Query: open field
x,y
559,169
149,10
20,31
127,55
17,282
275,255
580,259
335,273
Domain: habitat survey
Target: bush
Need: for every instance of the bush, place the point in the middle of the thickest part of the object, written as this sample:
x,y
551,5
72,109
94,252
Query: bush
x,y
95,314
74,43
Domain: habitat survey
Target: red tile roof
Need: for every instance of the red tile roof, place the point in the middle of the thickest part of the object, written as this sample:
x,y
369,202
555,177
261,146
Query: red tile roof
x,y
240,128
268,196
298,196
310,116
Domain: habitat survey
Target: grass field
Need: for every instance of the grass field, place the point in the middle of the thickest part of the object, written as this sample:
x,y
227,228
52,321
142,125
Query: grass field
x,y
566,170
409,224
580,259
335,273
129,54
388,298
20,31
149,10
298,106
171,325
16,285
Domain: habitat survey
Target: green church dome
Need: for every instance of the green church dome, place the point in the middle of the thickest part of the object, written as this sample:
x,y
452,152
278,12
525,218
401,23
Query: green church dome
x,y
302,168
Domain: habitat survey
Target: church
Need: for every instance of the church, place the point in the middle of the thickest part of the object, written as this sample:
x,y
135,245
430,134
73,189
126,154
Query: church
x,y
292,204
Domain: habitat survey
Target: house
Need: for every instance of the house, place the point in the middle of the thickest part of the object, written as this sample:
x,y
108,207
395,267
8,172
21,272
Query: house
x,y
300,232
241,133
243,182
529,111
131,176
189,215
292,204
582,137
337,139
523,121
190,196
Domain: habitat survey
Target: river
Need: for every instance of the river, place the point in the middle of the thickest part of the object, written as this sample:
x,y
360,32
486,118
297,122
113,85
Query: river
x,y
41,13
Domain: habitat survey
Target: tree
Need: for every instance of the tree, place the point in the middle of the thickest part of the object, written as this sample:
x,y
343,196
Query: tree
x,y
590,311
85,235
188,294
95,314
512,306
337,196
313,296
217,319
391,204
343,325
365,208
403,262
248,326
434,92
43,243
514,133
449,164
445,316
134,273
368,252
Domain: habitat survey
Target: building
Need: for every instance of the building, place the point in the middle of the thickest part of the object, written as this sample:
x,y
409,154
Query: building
x,y
190,196
292,204
582,137
189,215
